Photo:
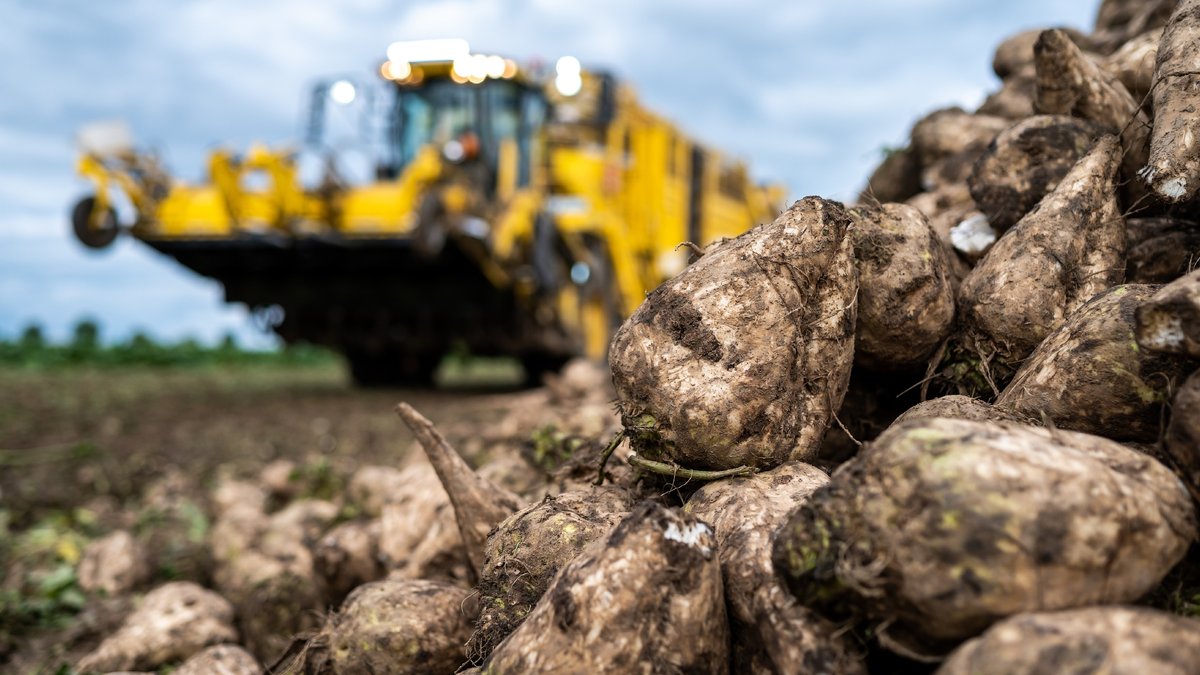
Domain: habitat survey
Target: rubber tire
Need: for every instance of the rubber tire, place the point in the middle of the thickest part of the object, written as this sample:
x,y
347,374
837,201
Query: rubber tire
x,y
605,277
544,256
92,238
370,370
538,364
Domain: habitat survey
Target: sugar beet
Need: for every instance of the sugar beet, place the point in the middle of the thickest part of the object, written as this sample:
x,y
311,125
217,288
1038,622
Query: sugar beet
x,y
768,625
1133,64
941,527
1063,252
1114,640
647,598
959,407
1091,375
264,566
1183,434
905,300
526,550
1070,82
1160,250
174,621
1025,163
1170,320
949,131
405,627
742,358
1173,167
479,504
897,178
220,660
1015,53
1014,99
348,556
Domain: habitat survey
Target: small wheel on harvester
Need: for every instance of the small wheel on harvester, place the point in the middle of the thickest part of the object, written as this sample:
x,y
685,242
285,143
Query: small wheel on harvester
x,y
100,236
429,236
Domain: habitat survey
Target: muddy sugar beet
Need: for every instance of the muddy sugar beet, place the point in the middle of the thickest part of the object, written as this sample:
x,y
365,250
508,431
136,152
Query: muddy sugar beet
x,y
1117,640
1070,247
905,300
742,358
1173,169
526,550
645,599
403,627
942,527
174,621
1091,374
1025,163
770,630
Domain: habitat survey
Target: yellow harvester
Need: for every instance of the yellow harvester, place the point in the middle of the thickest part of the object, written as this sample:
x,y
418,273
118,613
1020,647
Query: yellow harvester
x,y
503,209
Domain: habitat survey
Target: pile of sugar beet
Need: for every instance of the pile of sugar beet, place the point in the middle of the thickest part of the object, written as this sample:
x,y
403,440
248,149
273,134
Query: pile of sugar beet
x,y
954,427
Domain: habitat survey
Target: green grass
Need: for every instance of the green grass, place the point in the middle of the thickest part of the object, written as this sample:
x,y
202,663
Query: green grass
x,y
472,371
85,351
32,350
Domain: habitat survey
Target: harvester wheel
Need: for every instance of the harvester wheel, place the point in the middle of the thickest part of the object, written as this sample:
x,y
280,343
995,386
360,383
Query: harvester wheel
x,y
538,364
392,370
93,237
600,306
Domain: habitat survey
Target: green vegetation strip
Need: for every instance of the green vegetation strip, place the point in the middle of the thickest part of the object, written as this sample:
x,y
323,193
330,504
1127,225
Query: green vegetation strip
x,y
31,349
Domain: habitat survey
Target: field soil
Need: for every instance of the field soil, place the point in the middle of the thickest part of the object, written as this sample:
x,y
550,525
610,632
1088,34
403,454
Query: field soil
x,y
85,451
74,435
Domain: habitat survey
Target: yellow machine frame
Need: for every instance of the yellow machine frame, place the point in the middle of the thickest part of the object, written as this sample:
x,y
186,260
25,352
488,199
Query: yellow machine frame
x,y
622,195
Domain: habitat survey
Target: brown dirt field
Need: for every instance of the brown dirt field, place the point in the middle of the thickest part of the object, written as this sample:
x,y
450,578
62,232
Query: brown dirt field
x,y
67,436
83,450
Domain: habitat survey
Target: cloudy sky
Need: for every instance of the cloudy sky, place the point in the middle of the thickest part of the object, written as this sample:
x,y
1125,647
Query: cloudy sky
x,y
808,92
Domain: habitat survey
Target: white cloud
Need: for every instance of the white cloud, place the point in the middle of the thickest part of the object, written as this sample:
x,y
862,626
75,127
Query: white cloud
x,y
14,226
35,146
54,283
807,91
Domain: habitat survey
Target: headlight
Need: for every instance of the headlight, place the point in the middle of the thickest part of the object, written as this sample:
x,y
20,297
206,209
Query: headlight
x,y
453,151
580,273
465,147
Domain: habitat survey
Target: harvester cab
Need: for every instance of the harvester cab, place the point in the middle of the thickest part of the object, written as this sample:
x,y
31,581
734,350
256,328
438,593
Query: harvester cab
x,y
457,200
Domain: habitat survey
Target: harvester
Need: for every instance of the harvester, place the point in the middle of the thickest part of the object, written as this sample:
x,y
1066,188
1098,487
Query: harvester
x,y
500,209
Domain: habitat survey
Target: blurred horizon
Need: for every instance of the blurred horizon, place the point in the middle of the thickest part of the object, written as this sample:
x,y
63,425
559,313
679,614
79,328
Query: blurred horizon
x,y
808,95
